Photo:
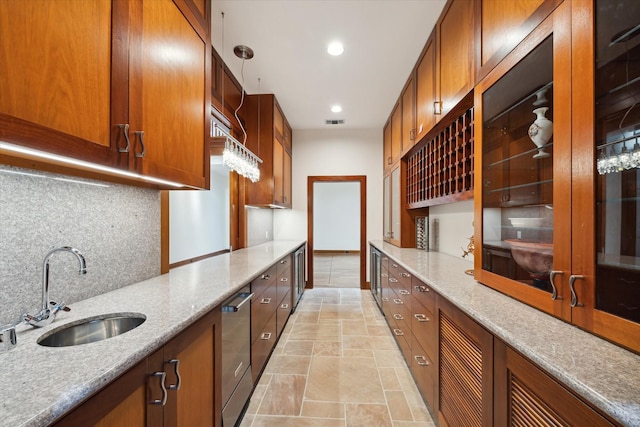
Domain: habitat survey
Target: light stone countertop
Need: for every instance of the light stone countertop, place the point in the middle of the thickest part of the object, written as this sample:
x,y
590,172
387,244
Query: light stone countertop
x,y
38,384
602,373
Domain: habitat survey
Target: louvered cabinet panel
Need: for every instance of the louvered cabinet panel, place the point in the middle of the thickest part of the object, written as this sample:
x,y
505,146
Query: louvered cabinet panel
x,y
466,370
526,396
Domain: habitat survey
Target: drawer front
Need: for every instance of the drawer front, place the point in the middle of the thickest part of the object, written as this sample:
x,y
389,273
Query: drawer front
x,y
424,327
403,338
424,294
262,346
283,312
283,267
283,285
425,372
266,279
262,308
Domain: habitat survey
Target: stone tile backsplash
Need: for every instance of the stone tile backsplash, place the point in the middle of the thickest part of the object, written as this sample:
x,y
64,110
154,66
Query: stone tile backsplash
x,y
115,227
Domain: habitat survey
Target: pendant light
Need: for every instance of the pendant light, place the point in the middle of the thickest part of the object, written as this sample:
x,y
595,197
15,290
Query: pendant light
x,y
236,156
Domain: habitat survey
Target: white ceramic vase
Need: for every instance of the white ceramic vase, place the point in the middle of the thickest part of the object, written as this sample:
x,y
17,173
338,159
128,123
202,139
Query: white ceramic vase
x,y
541,131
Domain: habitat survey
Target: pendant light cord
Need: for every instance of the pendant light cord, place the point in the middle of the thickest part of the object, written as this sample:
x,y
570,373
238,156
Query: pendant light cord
x,y
244,132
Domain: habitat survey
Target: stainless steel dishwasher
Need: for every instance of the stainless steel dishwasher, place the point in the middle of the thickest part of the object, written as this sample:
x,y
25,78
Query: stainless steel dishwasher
x,y
237,381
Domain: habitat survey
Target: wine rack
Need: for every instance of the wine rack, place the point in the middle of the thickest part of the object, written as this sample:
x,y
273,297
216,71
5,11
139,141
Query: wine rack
x,y
440,170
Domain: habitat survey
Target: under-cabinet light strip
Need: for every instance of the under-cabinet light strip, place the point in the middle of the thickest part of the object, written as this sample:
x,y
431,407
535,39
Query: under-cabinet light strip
x,y
84,164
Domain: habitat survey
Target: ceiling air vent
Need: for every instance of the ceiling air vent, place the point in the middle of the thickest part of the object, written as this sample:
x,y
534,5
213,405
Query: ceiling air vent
x,y
334,122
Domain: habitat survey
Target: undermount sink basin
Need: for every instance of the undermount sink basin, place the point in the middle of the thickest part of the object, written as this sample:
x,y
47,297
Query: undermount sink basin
x,y
92,330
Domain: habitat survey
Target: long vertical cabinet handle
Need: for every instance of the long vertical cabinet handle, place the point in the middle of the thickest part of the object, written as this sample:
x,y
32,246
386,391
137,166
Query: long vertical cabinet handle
x,y
125,132
162,401
554,293
574,295
143,151
176,365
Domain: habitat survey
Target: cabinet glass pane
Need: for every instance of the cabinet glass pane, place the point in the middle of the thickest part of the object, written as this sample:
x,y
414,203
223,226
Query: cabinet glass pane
x,y
395,204
517,171
617,139
387,207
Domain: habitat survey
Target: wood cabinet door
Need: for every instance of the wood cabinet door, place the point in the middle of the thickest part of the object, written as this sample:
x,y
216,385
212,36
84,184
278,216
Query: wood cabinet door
x,y
456,53
278,172
286,179
426,90
465,392
408,114
525,395
190,366
386,140
132,400
170,66
396,133
55,76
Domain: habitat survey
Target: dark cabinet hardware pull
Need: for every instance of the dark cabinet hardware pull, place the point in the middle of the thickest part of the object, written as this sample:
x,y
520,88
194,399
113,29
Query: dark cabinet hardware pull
x,y
143,151
421,360
163,401
554,294
574,295
125,132
176,365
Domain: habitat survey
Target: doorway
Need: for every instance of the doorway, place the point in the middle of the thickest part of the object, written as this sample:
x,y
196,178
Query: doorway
x,y
313,223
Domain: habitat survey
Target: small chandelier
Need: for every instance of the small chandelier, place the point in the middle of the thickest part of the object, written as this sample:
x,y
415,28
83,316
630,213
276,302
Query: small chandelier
x,y
237,156
612,161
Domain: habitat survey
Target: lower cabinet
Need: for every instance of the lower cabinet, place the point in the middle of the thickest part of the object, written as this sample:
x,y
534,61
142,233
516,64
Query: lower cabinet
x,y
174,386
525,395
467,376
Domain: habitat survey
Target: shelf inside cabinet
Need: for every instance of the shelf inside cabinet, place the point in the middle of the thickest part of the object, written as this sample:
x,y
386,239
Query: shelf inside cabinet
x,y
517,156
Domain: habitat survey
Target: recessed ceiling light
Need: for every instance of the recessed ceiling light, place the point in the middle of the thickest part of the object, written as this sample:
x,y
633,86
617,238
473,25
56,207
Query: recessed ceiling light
x,y
335,48
336,108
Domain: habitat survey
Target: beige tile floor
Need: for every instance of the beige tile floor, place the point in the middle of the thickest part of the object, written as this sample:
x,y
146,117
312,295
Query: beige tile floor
x,y
336,364
336,270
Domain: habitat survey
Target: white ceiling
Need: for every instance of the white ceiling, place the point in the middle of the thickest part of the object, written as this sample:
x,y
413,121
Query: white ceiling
x,y
382,40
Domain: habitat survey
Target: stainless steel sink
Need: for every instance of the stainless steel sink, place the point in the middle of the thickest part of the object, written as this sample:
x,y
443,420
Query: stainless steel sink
x,y
92,330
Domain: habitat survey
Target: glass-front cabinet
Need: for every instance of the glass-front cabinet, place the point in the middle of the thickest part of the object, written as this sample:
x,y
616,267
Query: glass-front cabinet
x,y
557,170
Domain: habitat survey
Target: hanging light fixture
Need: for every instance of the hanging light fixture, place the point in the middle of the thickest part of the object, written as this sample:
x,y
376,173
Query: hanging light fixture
x,y
235,155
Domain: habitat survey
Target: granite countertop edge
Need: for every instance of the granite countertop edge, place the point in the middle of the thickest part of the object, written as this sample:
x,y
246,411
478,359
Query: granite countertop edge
x,y
607,376
40,384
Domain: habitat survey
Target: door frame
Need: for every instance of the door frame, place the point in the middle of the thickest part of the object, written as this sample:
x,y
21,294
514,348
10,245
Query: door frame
x,y
362,179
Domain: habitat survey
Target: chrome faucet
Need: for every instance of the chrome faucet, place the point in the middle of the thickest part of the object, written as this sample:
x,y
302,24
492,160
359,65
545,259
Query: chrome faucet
x,y
49,308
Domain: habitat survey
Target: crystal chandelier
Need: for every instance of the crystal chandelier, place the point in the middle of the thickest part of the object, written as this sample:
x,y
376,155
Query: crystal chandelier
x,y
612,160
237,156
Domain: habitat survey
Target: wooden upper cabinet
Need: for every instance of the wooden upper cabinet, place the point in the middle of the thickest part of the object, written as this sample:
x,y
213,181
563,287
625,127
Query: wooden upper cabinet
x,y
504,24
269,137
396,133
386,141
121,84
55,83
456,53
170,94
425,90
408,98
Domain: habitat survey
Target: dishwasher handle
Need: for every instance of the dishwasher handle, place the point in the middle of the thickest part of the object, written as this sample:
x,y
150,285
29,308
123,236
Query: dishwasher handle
x,y
231,307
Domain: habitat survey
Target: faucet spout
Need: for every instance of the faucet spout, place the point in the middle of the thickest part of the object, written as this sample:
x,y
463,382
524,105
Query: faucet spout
x,y
47,312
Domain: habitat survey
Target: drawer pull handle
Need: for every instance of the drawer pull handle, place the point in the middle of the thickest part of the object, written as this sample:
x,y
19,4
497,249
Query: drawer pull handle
x,y
265,277
397,301
284,279
404,292
285,306
421,317
385,299
398,332
393,280
421,288
265,301
394,265
554,294
398,317
284,261
125,132
265,336
176,365
574,295
405,275
421,360
162,401
140,154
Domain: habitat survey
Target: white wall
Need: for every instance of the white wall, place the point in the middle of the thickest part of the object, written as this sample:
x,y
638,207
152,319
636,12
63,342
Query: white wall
x,y
328,153
199,219
455,226
336,216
